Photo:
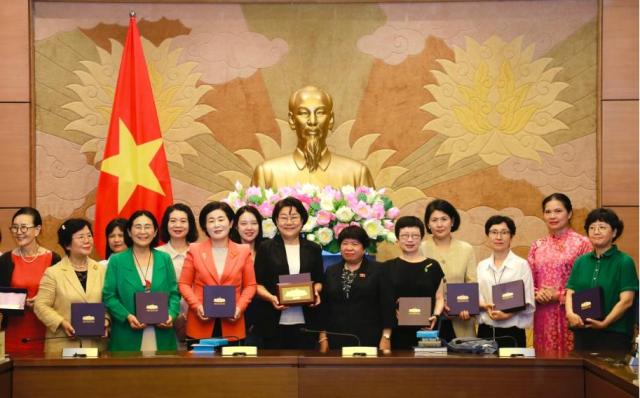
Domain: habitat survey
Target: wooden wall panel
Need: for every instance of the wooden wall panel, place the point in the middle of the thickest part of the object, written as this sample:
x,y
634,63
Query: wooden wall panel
x,y
14,155
14,51
620,49
5,220
628,242
619,153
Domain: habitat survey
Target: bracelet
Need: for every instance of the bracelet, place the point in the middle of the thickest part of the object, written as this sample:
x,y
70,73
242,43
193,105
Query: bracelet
x,y
323,339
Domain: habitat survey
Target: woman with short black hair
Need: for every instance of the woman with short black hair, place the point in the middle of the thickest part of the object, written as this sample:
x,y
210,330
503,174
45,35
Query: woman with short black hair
x,y
414,275
357,297
615,273
77,278
288,253
456,257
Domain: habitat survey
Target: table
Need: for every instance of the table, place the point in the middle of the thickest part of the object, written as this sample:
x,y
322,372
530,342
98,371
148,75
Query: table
x,y
309,374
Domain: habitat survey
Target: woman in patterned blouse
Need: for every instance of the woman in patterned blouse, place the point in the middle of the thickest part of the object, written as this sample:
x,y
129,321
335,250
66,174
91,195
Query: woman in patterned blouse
x,y
551,259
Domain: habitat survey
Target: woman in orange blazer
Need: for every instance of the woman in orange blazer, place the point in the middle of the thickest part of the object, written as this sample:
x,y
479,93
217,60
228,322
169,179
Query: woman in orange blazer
x,y
217,261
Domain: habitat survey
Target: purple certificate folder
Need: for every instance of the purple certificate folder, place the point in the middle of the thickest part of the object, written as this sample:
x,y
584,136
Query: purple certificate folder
x,y
219,301
509,296
88,319
463,297
151,307
589,303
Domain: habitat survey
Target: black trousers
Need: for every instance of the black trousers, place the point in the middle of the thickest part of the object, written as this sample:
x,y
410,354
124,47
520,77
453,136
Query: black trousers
x,y
289,337
505,337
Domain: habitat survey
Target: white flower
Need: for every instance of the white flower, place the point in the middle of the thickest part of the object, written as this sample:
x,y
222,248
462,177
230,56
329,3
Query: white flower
x,y
326,203
325,236
269,229
344,214
238,186
348,189
390,237
311,237
373,228
309,189
310,225
233,197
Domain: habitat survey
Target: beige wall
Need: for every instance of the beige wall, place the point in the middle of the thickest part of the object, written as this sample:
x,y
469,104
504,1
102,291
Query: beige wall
x,y
619,121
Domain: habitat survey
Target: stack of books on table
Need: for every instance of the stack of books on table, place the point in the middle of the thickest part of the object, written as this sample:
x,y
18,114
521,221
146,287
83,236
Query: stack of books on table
x,y
208,346
429,344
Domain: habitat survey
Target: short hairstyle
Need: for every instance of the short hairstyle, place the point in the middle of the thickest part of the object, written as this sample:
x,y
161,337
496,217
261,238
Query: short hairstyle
x,y
136,214
409,222
289,201
235,235
605,215
445,207
211,206
120,223
354,232
293,99
192,234
30,211
68,228
499,219
560,197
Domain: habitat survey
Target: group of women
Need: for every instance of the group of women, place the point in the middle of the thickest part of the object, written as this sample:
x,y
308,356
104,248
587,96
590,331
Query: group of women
x,y
355,301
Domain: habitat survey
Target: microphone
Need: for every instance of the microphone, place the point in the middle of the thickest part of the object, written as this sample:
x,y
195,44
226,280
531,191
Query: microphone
x,y
353,336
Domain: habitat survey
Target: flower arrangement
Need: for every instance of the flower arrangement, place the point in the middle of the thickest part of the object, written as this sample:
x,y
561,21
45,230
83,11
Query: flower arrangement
x,y
330,211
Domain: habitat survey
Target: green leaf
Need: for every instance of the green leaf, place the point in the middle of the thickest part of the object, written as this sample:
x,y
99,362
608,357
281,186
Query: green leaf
x,y
332,247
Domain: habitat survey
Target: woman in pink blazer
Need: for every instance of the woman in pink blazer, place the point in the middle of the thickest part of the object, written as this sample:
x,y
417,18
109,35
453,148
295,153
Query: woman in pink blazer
x,y
217,261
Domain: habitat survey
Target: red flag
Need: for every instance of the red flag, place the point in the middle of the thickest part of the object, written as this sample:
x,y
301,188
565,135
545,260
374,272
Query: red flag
x,y
134,173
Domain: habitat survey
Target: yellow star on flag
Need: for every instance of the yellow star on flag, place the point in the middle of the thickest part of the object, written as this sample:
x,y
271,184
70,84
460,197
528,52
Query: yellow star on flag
x,y
131,165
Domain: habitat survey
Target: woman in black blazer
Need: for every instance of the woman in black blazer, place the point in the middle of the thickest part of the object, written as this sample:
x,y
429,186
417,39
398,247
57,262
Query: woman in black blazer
x,y
357,297
286,254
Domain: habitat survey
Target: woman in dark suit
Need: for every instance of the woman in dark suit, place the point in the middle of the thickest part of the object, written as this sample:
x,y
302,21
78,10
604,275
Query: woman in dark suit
x,y
357,297
286,254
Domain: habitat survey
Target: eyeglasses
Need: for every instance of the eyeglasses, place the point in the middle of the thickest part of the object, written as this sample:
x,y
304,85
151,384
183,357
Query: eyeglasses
x,y
495,233
410,236
286,219
22,228
83,237
599,227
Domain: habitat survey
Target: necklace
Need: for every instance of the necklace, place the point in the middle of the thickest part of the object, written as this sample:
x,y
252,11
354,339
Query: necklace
x,y
24,258
147,283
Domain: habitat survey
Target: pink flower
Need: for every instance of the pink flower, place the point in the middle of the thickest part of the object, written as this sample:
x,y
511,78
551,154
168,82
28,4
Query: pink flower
x,y
324,217
251,191
338,228
388,225
363,210
393,213
377,211
363,189
265,209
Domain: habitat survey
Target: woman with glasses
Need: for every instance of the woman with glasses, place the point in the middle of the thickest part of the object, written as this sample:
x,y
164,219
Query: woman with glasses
x,y
456,257
217,261
414,275
504,266
77,278
23,267
287,254
139,269
551,259
615,273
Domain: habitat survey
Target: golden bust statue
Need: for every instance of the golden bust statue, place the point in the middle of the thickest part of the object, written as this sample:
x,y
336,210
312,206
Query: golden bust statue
x,y
311,116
